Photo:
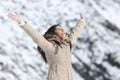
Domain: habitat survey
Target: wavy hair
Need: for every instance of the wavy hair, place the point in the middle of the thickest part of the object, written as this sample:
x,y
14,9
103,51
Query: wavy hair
x,y
50,33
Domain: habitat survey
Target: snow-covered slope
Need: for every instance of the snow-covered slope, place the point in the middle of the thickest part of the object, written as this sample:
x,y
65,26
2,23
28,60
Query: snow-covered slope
x,y
95,53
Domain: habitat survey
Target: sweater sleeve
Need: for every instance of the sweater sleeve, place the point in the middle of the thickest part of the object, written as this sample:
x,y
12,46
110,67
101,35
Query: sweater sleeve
x,y
37,38
76,30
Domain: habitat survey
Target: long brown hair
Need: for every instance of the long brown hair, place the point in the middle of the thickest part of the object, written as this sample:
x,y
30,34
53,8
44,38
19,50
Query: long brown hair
x,y
50,33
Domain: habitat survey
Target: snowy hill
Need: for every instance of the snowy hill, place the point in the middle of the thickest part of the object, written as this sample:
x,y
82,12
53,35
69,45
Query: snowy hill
x,y
95,54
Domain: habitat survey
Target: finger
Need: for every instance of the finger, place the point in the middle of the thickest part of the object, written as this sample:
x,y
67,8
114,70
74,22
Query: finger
x,y
17,13
81,15
12,17
10,14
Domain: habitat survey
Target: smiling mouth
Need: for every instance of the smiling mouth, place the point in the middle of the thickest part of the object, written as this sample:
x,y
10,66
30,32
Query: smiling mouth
x,y
62,34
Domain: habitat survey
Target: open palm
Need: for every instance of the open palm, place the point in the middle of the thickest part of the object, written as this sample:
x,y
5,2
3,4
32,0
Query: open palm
x,y
15,16
83,18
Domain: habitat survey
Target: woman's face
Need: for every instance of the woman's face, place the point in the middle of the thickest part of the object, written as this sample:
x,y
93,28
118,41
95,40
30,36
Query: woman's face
x,y
60,32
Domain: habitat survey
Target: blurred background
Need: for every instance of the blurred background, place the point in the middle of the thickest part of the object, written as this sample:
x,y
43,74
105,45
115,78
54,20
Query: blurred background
x,y
95,54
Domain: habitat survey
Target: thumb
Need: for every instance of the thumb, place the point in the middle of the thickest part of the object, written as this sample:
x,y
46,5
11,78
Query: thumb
x,y
81,15
17,13
18,17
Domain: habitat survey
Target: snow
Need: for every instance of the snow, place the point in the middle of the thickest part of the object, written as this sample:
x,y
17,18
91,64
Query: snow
x,y
19,59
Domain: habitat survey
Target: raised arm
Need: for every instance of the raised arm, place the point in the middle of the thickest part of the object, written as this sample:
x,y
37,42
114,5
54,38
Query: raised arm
x,y
77,29
34,34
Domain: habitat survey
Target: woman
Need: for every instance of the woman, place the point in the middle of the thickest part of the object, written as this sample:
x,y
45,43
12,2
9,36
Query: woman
x,y
54,46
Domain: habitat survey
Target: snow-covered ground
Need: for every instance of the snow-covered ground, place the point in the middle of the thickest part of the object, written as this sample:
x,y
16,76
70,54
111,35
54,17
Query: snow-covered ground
x,y
95,54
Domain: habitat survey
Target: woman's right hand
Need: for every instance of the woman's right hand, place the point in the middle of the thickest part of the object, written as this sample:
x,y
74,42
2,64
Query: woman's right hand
x,y
15,16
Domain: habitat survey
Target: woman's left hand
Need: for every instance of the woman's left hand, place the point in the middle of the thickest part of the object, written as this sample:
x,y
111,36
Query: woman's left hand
x,y
83,17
